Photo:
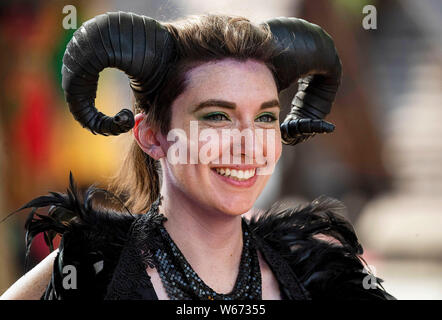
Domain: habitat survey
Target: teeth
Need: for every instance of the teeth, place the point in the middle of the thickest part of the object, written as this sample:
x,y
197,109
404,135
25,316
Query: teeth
x,y
236,174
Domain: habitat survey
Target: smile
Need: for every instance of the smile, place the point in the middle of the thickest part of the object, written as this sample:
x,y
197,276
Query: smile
x,y
236,177
235,174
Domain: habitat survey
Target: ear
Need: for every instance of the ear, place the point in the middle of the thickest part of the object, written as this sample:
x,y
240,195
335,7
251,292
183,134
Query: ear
x,y
146,137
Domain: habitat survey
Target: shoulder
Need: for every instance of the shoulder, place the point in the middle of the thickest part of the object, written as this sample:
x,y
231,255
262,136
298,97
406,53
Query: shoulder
x,y
320,246
32,284
91,241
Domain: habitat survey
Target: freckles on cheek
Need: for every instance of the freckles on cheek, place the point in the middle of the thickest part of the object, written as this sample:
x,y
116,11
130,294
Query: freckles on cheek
x,y
272,148
278,147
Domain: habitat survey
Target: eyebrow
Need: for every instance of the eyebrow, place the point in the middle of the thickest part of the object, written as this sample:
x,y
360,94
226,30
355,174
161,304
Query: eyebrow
x,y
232,105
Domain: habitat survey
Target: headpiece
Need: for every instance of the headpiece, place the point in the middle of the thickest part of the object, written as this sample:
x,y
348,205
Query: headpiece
x,y
144,49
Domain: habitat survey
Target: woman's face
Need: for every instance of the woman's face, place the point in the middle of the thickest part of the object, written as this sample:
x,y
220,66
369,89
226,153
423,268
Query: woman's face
x,y
210,162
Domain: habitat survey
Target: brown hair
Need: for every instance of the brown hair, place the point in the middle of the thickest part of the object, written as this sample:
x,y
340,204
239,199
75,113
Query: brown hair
x,y
199,39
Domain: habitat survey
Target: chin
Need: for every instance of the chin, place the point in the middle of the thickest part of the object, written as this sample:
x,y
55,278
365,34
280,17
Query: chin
x,y
235,210
234,206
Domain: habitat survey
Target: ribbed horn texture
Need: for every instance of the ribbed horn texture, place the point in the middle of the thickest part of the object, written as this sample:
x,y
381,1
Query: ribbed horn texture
x,y
137,45
309,55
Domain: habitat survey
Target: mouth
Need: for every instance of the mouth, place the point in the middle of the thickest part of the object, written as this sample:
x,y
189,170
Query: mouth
x,y
236,177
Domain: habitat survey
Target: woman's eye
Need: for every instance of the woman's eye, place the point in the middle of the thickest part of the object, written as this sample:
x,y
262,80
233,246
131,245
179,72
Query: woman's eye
x,y
266,118
216,117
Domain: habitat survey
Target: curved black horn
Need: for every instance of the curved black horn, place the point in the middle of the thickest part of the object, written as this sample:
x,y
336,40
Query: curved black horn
x,y
137,45
308,54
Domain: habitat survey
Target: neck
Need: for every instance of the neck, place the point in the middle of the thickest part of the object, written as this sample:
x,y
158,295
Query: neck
x,y
211,241
189,222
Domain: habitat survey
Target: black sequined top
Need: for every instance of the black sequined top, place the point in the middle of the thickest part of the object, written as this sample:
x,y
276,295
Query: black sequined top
x,y
111,250
181,282
130,280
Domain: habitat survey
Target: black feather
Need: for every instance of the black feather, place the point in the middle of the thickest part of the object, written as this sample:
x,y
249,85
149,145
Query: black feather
x,y
327,269
88,235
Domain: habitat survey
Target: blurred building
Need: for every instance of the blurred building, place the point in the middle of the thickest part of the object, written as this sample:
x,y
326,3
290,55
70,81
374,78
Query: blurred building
x,y
403,225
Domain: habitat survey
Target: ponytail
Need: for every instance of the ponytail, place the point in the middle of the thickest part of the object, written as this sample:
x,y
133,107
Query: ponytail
x,y
137,183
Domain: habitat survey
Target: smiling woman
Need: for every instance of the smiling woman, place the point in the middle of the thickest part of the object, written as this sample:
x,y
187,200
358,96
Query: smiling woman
x,y
243,86
183,233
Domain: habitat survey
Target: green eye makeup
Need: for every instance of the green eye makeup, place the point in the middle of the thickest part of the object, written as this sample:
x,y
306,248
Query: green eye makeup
x,y
267,116
215,116
221,116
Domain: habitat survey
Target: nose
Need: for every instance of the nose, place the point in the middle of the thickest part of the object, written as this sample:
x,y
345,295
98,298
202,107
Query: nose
x,y
248,145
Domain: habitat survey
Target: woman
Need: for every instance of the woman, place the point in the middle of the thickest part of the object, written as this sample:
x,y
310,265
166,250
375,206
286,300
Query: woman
x,y
200,85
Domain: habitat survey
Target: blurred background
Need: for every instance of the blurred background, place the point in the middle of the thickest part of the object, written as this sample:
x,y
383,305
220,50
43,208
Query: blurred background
x,y
384,160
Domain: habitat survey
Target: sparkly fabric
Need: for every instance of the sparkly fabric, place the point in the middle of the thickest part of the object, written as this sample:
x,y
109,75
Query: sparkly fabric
x,y
182,283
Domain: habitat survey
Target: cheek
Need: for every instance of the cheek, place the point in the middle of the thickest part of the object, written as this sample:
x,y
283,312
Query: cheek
x,y
273,142
272,147
185,177
278,145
